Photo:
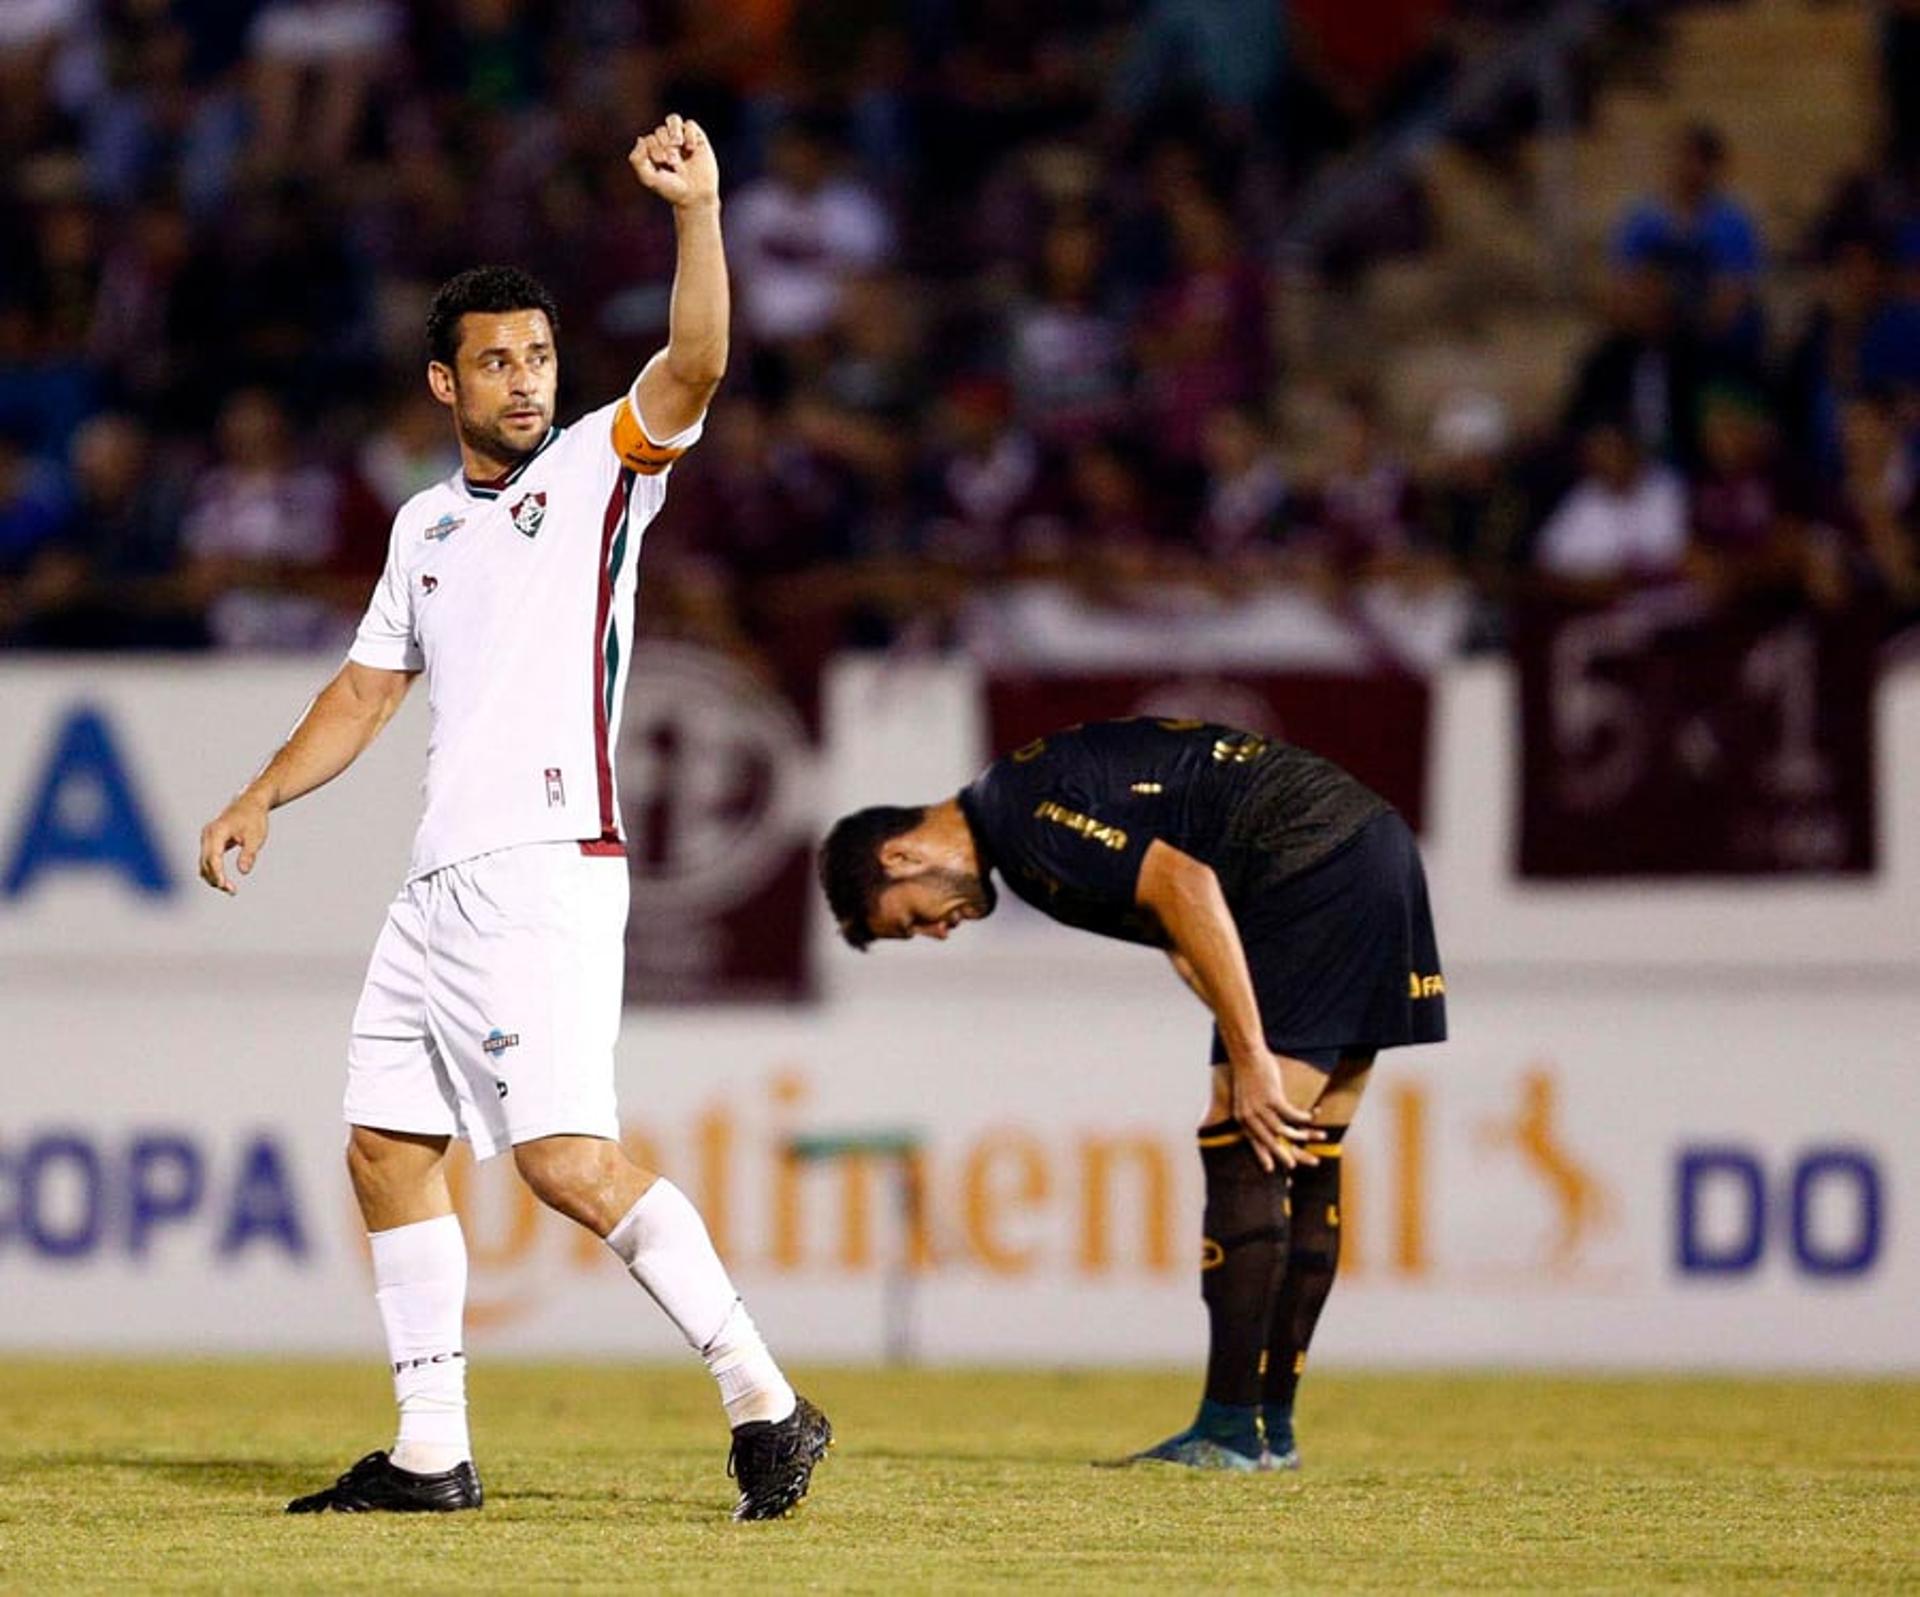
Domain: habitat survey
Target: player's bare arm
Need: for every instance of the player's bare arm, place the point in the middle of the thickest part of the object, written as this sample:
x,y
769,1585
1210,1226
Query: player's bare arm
x,y
1183,968
676,162
343,719
1185,896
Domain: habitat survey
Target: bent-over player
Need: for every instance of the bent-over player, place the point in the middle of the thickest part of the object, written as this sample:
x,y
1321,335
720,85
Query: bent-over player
x,y
1289,897
492,1003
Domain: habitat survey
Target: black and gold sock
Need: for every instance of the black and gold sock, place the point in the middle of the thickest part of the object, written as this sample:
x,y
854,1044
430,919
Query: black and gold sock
x,y
1313,1257
1243,1254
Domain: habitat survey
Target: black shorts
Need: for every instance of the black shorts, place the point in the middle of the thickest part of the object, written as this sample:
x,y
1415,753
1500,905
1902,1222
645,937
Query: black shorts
x,y
1343,955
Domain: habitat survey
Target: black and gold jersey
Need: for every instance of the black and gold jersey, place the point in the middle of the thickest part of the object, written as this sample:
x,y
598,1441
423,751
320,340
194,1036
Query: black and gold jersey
x,y
1068,819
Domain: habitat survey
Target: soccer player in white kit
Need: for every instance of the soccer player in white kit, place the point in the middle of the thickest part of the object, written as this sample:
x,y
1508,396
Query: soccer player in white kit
x,y
492,1003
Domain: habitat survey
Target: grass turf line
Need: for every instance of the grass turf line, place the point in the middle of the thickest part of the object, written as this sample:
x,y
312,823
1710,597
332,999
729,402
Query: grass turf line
x,y
173,1475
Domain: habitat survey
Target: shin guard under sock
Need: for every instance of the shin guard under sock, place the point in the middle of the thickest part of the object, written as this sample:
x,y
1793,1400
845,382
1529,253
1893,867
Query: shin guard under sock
x,y
1313,1258
1243,1255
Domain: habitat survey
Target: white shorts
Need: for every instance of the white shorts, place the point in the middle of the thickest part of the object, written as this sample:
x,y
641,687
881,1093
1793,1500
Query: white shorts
x,y
493,1001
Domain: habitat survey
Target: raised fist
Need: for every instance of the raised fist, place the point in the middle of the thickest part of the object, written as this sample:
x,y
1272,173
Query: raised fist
x,y
676,162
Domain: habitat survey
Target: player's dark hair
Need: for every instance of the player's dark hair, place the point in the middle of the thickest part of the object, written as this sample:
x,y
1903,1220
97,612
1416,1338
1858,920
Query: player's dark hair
x,y
850,869
490,291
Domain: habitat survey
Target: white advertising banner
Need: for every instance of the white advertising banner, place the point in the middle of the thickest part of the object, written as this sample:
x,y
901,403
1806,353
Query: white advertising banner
x,y
107,773
1584,1177
1675,1127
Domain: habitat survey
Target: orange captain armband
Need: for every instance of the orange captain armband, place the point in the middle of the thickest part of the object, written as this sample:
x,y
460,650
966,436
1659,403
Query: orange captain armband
x,y
636,450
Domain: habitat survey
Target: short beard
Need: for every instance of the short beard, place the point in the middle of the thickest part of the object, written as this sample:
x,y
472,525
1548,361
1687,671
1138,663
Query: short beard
x,y
491,442
976,893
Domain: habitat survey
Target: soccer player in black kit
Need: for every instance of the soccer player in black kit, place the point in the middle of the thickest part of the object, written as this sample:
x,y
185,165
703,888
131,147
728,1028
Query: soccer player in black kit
x,y
1289,897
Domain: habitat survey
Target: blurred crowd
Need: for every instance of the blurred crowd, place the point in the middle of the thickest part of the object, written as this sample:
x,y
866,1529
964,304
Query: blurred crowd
x,y
1007,313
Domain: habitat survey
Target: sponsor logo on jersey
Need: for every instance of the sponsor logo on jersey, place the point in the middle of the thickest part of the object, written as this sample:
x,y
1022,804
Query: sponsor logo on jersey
x,y
445,527
528,512
428,582
1239,748
498,1042
1098,831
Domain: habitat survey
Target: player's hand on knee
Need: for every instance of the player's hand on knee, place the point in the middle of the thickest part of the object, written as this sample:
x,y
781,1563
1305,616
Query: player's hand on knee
x,y
1278,1129
241,825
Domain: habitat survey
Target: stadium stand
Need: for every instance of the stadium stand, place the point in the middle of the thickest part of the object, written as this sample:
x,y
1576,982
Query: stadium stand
x,y
1000,326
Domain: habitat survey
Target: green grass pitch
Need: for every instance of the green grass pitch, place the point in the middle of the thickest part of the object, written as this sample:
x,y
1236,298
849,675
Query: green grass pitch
x,y
151,1476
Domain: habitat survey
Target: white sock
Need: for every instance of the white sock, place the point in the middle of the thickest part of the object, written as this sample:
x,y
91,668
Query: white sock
x,y
751,1385
420,1283
664,1244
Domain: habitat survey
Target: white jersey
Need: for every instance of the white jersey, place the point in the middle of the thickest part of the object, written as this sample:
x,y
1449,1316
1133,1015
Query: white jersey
x,y
516,597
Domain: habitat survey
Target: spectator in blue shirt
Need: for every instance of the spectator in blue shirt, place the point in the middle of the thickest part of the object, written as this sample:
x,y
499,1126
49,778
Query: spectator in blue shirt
x,y
33,505
33,513
1705,240
1862,334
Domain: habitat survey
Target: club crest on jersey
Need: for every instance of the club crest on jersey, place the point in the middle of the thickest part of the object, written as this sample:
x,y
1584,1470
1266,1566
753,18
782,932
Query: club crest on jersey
x,y
428,582
528,512
444,528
